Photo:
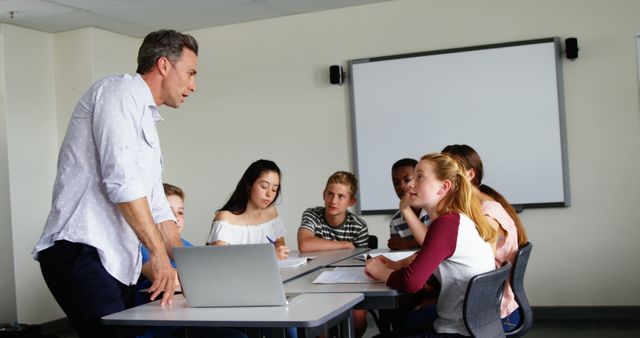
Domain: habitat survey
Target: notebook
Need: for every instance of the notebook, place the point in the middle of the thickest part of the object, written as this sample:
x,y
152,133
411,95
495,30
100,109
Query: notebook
x,y
230,275
393,255
292,262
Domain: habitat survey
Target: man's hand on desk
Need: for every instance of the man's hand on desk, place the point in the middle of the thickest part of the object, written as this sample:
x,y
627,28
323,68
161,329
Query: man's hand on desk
x,y
164,278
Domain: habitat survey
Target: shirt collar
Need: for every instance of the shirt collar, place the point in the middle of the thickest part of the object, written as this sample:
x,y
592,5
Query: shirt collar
x,y
148,98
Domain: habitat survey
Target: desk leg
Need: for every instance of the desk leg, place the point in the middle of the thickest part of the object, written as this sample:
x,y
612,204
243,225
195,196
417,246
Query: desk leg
x,y
340,326
346,328
118,330
125,331
278,332
313,332
384,322
254,333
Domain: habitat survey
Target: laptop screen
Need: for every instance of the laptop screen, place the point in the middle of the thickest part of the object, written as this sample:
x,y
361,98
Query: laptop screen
x,y
230,275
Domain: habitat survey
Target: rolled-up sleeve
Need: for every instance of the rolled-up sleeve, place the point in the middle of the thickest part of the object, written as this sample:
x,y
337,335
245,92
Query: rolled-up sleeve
x,y
160,208
116,133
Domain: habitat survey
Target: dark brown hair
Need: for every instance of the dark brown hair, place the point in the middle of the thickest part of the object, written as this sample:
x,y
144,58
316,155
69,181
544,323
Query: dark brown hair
x,y
237,203
470,159
167,43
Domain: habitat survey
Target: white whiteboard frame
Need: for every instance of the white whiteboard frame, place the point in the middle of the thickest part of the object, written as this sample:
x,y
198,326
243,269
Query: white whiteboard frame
x,y
638,53
374,84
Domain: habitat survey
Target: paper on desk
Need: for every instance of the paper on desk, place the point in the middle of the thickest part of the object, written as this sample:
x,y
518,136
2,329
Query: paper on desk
x,y
344,275
291,262
394,255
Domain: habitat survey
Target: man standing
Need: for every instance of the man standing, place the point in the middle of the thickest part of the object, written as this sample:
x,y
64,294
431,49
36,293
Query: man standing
x,y
108,194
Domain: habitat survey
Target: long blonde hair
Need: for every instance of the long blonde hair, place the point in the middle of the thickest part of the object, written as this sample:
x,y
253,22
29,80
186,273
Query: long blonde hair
x,y
460,197
469,159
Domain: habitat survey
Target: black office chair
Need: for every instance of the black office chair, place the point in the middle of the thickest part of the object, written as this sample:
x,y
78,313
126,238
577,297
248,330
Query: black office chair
x,y
373,242
517,285
382,326
481,310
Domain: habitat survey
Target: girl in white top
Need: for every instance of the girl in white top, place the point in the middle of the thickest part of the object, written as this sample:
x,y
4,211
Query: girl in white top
x,y
249,216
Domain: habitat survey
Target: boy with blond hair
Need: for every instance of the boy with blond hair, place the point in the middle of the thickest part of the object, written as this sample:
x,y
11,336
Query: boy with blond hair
x,y
334,227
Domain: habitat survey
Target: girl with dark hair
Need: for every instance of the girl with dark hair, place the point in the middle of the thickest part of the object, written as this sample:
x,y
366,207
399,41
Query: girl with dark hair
x,y
249,216
501,216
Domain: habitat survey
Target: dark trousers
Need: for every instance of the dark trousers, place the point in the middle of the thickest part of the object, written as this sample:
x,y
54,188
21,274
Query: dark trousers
x,y
82,287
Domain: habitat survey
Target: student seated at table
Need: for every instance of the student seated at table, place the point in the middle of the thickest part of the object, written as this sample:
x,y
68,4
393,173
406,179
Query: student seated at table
x,y
456,247
175,197
502,216
401,230
249,216
334,227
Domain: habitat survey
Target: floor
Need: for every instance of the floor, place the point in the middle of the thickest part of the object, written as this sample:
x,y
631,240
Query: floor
x,y
542,328
555,328
585,328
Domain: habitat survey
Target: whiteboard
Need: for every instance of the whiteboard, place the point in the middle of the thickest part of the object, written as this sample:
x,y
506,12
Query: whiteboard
x,y
504,100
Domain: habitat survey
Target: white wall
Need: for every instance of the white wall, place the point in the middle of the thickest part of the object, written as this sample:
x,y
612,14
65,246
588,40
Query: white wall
x,y
7,283
263,92
32,151
73,72
81,57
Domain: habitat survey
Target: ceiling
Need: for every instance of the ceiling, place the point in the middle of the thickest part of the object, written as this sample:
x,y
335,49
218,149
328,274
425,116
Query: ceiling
x,y
138,17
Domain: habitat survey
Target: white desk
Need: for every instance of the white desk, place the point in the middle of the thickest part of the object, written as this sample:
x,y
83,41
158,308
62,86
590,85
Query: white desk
x,y
313,313
322,259
352,261
377,295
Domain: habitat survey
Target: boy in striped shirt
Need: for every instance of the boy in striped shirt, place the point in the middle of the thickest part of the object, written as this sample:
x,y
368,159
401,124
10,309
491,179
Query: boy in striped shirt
x,y
333,226
402,236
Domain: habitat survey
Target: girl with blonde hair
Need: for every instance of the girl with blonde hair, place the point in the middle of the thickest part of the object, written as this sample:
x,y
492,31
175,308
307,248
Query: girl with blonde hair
x,y
457,246
502,217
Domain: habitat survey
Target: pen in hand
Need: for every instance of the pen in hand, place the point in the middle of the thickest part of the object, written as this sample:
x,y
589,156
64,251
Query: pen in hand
x,y
270,240
282,251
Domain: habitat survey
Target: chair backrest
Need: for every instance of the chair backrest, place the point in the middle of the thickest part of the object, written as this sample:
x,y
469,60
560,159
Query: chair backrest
x,y
482,303
517,285
373,242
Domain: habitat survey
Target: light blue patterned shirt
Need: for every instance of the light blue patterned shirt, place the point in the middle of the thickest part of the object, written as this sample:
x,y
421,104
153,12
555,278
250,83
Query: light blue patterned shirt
x,y
110,154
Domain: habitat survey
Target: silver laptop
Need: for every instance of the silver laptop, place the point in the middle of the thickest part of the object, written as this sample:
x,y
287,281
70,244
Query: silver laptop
x,y
230,275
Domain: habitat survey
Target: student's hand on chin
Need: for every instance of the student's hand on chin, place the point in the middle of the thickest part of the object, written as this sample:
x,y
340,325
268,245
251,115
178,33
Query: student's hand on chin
x,y
405,201
395,243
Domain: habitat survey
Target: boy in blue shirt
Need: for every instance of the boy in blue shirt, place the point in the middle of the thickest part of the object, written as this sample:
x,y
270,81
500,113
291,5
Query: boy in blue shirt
x,y
175,196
